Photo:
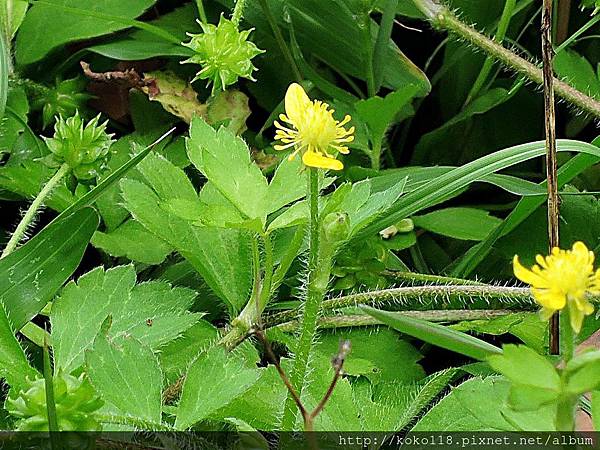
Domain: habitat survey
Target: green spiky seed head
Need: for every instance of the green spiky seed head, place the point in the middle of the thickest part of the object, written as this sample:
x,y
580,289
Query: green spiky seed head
x,y
75,400
224,52
84,147
64,99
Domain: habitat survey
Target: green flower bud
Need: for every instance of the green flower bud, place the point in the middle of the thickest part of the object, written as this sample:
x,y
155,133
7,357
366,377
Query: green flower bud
x,y
75,400
224,53
336,227
64,99
83,147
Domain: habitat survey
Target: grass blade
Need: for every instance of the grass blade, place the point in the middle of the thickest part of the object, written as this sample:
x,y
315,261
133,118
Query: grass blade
x,y
436,334
4,69
383,38
440,188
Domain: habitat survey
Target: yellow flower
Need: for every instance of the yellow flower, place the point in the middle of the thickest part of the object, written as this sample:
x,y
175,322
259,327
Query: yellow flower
x,y
312,130
565,278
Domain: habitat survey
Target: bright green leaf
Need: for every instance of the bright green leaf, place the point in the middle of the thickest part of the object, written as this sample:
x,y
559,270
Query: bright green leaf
x,y
126,374
213,380
153,312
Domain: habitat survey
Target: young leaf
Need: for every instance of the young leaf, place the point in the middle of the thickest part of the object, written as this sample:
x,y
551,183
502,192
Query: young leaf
x,y
225,160
31,275
154,312
222,256
126,374
213,380
436,334
134,242
535,381
379,113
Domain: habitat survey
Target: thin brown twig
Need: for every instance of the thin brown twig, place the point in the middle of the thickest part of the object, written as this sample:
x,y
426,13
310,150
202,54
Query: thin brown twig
x,y
551,165
338,365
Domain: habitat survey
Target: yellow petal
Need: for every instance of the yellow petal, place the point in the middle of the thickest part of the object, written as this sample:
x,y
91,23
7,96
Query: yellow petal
x,y
549,299
546,313
527,276
296,102
315,159
576,317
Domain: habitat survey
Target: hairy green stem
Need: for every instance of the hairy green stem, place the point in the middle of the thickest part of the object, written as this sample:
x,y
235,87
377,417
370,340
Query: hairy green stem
x,y
33,208
404,294
443,18
507,13
427,278
238,12
283,46
312,305
261,294
453,315
136,422
265,290
567,337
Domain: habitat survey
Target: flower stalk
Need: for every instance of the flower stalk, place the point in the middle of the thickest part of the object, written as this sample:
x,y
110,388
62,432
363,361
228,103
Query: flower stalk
x,y
317,284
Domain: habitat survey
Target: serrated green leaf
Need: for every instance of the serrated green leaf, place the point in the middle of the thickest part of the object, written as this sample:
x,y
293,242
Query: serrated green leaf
x,y
225,160
388,357
133,241
176,356
154,312
31,275
379,113
535,381
213,380
126,374
479,405
221,256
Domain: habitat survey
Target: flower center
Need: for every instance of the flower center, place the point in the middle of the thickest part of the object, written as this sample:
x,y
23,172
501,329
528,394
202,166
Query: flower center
x,y
318,128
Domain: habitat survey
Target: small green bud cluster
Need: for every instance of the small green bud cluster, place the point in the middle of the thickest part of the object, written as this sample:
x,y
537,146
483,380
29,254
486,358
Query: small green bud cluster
x,y
75,400
224,53
84,147
64,99
362,264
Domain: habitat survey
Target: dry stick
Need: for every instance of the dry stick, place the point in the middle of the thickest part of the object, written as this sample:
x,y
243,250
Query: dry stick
x,y
551,166
338,365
